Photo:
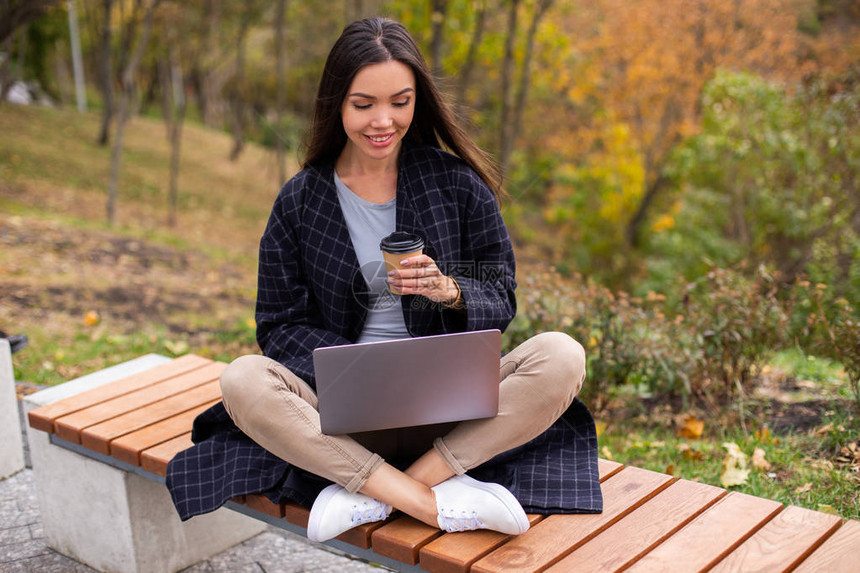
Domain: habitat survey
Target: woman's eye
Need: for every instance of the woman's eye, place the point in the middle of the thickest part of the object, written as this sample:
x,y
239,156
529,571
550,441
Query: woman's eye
x,y
403,103
361,105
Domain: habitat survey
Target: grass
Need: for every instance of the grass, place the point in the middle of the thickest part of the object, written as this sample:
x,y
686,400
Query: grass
x,y
154,288
89,296
801,471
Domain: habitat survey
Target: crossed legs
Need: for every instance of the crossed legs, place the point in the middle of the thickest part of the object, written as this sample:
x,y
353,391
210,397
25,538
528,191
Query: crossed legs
x,y
278,410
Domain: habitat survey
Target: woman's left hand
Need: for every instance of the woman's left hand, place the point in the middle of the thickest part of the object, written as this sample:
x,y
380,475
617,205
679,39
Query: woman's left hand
x,y
421,276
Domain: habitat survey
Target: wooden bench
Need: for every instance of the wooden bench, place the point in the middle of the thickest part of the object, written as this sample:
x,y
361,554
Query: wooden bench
x,y
651,521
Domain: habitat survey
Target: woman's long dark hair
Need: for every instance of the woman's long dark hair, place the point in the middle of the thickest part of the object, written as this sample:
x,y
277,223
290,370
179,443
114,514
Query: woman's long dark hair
x,y
375,41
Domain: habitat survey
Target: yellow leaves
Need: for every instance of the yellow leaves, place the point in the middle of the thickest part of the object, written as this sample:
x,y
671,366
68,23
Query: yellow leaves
x,y
758,461
663,223
689,453
91,318
805,488
825,508
735,470
764,436
692,428
176,347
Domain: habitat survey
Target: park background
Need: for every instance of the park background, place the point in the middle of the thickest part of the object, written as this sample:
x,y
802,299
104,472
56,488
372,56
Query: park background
x,y
684,200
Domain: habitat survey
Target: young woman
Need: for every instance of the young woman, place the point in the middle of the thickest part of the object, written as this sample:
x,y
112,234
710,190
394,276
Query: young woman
x,y
374,165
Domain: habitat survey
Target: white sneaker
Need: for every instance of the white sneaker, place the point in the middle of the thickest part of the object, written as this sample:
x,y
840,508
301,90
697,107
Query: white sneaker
x,y
335,510
465,504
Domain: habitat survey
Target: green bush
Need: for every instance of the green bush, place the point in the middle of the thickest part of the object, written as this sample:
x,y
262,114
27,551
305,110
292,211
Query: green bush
x,y
771,179
709,350
735,322
832,330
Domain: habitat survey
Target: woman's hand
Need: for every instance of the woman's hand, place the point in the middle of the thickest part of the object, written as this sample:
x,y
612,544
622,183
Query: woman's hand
x,y
421,276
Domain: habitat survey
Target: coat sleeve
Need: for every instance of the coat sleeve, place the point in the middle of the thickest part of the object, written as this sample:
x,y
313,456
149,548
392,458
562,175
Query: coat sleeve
x,y
486,273
289,324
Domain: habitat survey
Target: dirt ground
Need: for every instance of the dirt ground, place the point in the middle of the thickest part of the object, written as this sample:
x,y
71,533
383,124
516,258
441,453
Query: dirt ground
x,y
58,281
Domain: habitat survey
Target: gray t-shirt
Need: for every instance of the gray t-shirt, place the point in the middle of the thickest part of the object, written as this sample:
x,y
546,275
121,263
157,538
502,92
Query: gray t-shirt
x,y
368,222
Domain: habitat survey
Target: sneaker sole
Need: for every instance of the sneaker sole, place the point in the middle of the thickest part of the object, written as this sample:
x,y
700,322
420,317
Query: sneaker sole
x,y
315,519
507,498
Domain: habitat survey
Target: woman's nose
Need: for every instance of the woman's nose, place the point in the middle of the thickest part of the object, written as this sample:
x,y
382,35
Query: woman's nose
x,y
382,119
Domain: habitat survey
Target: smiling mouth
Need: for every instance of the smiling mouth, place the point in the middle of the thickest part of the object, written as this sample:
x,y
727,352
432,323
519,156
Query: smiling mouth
x,y
379,138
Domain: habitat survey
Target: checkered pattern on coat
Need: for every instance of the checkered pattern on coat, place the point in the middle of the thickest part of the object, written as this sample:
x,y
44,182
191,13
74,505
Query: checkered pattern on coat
x,y
310,294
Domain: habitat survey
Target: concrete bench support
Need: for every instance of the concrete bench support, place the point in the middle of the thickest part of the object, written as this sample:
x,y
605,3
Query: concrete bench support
x,y
112,519
11,444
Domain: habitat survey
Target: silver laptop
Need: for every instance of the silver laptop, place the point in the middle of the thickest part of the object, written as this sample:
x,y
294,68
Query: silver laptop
x,y
408,382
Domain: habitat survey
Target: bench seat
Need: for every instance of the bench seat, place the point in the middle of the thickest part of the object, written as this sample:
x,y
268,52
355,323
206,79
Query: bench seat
x,y
651,521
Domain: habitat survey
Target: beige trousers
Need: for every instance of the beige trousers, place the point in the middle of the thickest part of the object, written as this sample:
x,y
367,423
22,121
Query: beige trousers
x,y
537,382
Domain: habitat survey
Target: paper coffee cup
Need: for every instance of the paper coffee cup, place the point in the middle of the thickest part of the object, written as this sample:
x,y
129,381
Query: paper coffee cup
x,y
397,246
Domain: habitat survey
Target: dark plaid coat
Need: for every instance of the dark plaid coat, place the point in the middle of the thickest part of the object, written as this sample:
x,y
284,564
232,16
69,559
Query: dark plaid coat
x,y
311,293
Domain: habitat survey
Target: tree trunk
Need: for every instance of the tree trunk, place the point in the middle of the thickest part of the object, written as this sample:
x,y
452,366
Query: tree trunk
x,y
106,74
438,10
178,118
280,64
472,55
6,69
522,89
77,59
17,13
127,83
237,100
507,92
206,90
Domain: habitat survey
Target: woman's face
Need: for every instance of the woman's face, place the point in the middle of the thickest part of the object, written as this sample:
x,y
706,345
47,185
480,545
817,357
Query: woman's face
x,y
378,109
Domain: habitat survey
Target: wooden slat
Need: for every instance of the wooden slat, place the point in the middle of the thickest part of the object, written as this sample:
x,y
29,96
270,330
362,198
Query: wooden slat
x,y
155,459
557,535
296,514
403,538
43,418
607,468
643,529
70,427
783,542
712,535
128,448
99,437
360,536
455,552
262,504
839,554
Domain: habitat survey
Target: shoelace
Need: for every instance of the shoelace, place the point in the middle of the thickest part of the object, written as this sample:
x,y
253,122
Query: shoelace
x,y
462,522
369,512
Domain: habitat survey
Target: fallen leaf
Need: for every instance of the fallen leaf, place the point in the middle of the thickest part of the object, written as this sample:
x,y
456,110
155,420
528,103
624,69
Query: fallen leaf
x,y
692,428
91,318
670,470
689,453
606,453
735,470
758,460
823,430
176,348
763,435
824,508
804,488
